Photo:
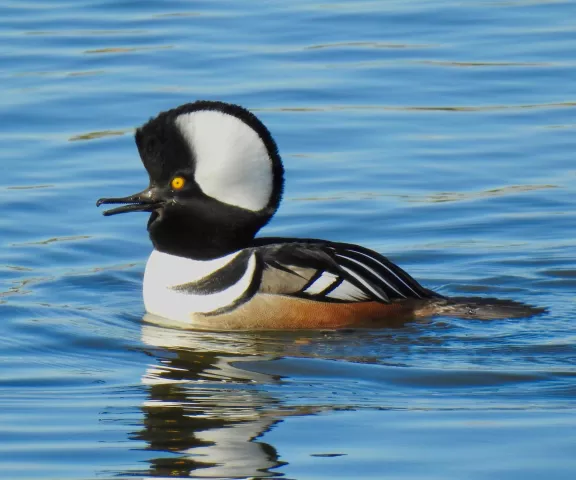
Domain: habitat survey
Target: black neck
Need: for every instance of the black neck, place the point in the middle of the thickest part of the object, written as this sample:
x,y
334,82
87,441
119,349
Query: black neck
x,y
206,235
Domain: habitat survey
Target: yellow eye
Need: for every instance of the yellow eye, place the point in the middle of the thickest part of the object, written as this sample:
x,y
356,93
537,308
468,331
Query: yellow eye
x,y
177,183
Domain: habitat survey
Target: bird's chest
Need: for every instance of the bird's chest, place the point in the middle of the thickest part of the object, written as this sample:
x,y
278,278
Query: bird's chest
x,y
185,290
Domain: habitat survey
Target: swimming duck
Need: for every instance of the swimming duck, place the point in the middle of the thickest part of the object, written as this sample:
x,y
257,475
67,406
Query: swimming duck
x,y
216,178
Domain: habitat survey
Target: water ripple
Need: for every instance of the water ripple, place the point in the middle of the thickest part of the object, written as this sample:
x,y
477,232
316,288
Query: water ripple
x,y
439,133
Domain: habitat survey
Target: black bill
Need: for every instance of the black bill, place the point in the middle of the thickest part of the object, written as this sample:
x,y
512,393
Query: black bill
x,y
145,201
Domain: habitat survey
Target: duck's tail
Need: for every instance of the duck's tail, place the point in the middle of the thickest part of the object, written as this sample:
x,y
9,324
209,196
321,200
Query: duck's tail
x,y
479,308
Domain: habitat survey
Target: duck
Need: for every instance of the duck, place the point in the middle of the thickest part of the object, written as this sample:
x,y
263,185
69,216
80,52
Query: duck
x,y
216,179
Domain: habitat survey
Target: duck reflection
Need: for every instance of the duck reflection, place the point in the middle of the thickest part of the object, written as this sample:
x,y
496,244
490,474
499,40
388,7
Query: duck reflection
x,y
205,411
211,401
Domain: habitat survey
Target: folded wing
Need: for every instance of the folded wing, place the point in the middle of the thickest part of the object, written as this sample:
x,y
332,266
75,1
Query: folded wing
x,y
334,272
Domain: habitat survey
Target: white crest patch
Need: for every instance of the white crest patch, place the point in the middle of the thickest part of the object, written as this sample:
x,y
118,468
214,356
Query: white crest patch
x,y
232,163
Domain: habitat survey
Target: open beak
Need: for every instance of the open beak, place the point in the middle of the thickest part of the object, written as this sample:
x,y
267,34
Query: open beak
x,y
144,201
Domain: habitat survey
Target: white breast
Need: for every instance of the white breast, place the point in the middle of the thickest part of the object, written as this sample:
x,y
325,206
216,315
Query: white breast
x,y
163,272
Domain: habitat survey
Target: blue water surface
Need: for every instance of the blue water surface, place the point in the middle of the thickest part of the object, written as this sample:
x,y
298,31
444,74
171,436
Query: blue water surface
x,y
440,133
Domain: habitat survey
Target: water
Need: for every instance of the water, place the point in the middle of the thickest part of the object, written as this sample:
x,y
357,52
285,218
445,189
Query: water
x,y
440,133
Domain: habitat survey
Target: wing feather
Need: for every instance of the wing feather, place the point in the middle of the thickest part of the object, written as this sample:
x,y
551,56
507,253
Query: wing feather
x,y
346,291
391,274
322,281
328,271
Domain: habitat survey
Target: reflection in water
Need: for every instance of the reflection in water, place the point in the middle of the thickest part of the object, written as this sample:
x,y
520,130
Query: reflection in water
x,y
48,241
204,410
420,108
439,197
339,45
126,49
96,135
211,399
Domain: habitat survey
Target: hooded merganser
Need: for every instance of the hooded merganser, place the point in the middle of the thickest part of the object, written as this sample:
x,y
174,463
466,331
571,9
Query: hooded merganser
x,y
216,179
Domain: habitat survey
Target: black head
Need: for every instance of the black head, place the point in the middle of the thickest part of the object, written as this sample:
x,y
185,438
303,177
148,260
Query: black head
x,y
216,178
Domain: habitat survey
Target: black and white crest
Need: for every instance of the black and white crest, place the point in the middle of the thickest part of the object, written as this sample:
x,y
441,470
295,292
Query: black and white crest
x,y
226,149
229,179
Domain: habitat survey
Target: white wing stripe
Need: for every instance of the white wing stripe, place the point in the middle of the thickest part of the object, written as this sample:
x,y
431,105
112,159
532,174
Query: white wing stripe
x,y
365,283
373,273
325,280
389,269
347,291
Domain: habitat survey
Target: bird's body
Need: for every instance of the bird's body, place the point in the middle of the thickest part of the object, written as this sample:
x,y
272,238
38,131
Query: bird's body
x,y
216,178
283,284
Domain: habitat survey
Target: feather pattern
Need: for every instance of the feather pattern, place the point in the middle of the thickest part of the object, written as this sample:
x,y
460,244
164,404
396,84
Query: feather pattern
x,y
339,272
310,269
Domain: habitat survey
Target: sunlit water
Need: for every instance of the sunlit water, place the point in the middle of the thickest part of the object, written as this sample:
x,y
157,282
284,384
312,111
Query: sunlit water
x,y
440,133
